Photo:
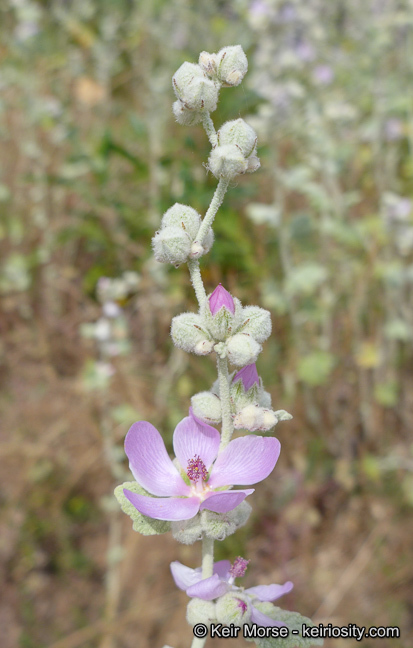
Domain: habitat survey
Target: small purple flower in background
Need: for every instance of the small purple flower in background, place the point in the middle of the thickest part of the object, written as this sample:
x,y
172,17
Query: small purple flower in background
x,y
221,298
248,375
305,51
222,582
323,74
180,495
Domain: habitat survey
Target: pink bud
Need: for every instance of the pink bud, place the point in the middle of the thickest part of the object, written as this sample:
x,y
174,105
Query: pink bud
x,y
221,298
248,375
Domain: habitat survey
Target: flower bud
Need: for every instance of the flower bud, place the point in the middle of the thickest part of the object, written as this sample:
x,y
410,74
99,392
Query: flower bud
x,y
233,607
242,349
171,245
221,313
227,162
188,333
200,611
208,63
256,322
245,387
239,133
198,250
184,115
253,162
182,216
207,406
232,65
194,89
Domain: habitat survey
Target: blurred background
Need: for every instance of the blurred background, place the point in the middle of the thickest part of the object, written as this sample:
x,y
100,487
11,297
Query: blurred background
x,y
322,236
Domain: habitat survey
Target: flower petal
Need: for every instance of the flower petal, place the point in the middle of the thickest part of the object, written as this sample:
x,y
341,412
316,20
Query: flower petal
x,y
164,508
184,576
263,620
222,568
150,463
209,588
245,461
270,592
193,437
225,500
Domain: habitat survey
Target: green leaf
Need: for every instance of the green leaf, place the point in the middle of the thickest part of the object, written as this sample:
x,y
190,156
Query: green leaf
x,y
294,621
141,523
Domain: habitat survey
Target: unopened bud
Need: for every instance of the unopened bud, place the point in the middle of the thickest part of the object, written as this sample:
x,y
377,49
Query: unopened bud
x,y
182,216
188,333
207,406
238,132
253,163
242,349
185,116
200,611
194,89
221,313
171,245
256,322
232,65
208,63
234,608
227,162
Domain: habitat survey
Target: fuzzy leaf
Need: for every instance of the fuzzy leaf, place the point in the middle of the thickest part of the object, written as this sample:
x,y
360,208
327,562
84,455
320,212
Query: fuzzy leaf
x,y
141,523
294,621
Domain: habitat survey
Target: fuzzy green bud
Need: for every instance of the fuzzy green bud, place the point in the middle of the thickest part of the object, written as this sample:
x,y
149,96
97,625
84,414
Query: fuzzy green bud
x,y
227,162
232,65
200,611
194,89
185,116
239,133
242,349
189,334
208,63
256,322
171,245
207,406
184,217
234,608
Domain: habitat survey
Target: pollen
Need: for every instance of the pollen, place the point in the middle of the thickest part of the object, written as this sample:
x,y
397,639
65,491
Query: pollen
x,y
196,469
239,567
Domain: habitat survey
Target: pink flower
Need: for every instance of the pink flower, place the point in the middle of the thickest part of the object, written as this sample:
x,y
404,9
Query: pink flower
x,y
178,494
221,298
222,582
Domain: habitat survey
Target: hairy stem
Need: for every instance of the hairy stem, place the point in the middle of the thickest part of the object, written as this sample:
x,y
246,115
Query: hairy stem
x,y
227,424
216,202
196,280
207,556
208,124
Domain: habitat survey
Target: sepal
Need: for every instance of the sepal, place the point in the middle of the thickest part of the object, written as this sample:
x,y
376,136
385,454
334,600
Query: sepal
x,y
224,322
216,526
182,216
141,523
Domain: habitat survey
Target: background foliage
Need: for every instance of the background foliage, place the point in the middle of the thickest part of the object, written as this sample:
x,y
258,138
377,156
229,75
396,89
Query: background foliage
x,y
90,158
